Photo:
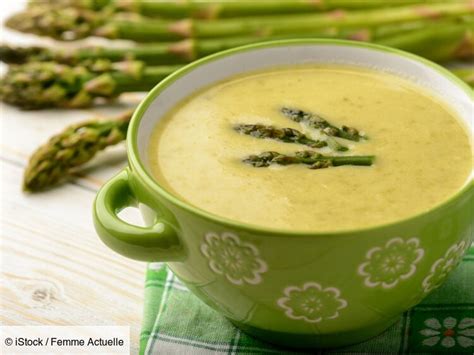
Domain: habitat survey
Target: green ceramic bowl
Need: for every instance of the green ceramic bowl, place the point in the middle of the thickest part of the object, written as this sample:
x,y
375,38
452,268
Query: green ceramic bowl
x,y
295,289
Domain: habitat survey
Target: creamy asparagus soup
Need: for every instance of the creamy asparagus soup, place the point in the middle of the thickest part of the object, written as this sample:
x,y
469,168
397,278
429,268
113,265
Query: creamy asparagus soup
x,y
312,148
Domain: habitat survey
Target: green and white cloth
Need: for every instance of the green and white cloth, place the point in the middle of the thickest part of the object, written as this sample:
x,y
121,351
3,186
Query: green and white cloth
x,y
177,322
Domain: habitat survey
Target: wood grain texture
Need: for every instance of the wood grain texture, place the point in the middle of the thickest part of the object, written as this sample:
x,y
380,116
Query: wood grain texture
x,y
54,269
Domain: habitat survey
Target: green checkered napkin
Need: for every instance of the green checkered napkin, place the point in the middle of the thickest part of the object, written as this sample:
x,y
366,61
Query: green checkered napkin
x,y
177,322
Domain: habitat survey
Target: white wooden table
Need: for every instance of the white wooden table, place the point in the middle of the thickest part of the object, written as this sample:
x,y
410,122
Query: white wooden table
x,y
54,269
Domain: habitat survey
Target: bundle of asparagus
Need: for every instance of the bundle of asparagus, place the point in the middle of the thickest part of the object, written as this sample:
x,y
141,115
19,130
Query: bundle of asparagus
x,y
220,9
37,84
437,41
73,23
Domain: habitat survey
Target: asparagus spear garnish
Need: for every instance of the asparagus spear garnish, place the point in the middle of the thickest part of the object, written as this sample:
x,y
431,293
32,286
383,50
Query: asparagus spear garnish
x,y
80,23
223,9
321,124
65,152
307,157
49,84
287,135
316,121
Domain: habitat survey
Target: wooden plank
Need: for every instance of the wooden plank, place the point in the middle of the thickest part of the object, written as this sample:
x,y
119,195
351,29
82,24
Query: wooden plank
x,y
55,270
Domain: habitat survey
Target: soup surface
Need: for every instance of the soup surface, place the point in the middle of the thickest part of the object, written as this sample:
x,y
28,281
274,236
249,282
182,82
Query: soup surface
x,y
423,153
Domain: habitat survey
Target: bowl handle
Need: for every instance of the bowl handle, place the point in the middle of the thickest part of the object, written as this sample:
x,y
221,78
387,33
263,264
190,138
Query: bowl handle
x,y
158,242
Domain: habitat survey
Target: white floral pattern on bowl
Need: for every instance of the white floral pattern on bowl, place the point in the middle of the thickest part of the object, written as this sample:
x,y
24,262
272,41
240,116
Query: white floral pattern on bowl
x,y
387,265
443,266
238,261
311,302
449,333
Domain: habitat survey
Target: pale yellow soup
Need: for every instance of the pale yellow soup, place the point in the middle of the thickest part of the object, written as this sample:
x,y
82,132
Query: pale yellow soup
x,y
423,152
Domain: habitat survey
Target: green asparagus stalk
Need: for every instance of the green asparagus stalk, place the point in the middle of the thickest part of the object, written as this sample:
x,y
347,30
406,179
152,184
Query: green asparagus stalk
x,y
307,157
445,42
379,32
455,41
190,49
465,73
287,135
179,52
225,9
49,84
80,23
54,161
95,5
152,54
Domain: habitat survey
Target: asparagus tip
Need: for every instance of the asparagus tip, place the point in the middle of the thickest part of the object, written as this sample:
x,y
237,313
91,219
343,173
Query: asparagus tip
x,y
37,85
56,160
63,23
15,55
